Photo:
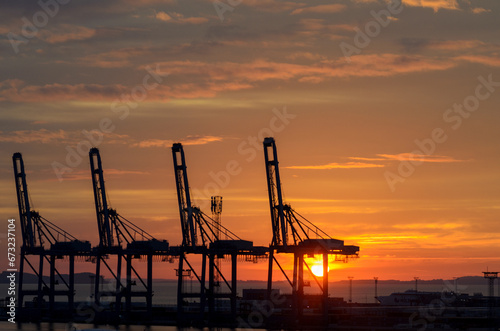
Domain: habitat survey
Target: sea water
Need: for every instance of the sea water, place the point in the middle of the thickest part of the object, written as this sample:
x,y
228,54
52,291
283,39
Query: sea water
x,y
165,294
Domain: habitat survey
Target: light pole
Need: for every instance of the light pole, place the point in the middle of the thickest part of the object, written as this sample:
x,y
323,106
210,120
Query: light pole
x,y
416,283
455,279
376,292
350,288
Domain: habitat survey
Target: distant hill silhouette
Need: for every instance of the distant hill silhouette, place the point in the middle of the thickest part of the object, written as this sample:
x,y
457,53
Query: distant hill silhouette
x,y
80,278
84,278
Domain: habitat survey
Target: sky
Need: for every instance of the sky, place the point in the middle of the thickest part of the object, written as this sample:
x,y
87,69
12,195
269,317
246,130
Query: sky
x,y
385,116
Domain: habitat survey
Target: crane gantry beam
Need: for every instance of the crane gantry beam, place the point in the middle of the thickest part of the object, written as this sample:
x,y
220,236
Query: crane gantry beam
x,y
201,236
294,234
46,242
125,240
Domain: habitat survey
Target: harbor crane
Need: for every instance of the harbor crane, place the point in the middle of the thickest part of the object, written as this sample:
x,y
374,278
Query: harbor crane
x,y
46,242
294,234
121,238
201,235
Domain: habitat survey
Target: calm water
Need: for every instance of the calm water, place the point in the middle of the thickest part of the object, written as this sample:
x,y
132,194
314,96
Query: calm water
x,y
76,327
165,292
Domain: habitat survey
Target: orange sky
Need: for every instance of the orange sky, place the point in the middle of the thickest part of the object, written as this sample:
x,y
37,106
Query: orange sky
x,y
393,148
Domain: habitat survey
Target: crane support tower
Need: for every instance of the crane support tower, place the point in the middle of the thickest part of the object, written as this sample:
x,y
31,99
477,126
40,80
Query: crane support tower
x,y
201,237
125,241
293,234
44,242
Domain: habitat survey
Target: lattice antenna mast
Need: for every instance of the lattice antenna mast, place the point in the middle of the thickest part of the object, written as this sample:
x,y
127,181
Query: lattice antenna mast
x,y
184,196
23,202
216,207
101,203
279,226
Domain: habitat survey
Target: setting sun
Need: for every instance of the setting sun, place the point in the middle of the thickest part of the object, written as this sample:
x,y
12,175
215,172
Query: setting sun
x,y
317,270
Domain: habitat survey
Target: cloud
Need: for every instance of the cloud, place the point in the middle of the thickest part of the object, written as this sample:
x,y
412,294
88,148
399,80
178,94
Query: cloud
x,y
321,9
261,69
306,55
174,17
347,165
271,5
76,175
380,157
419,158
189,140
482,59
27,136
112,59
66,32
434,4
14,91
60,136
457,45
433,226
320,28
365,1
479,10
206,80
414,45
17,91
162,16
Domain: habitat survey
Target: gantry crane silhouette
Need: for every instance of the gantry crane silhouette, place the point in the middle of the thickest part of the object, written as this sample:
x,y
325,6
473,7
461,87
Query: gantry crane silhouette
x,y
201,236
293,234
121,238
46,242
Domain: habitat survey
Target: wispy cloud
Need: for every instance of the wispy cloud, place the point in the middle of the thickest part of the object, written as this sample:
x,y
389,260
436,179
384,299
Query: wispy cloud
x,y
18,91
66,32
76,175
492,61
434,4
178,18
207,80
60,136
479,10
189,140
347,165
321,9
434,226
117,58
419,158
29,136
356,164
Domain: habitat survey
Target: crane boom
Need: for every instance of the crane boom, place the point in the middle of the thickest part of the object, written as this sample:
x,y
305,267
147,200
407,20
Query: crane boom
x,y
23,202
101,204
183,196
279,226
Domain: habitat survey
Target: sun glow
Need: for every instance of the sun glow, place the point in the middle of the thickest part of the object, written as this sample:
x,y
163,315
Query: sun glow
x,y
315,263
317,269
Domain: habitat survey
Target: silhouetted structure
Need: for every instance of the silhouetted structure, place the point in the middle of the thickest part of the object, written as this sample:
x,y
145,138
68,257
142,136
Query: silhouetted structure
x,y
114,232
491,276
46,242
293,234
201,236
